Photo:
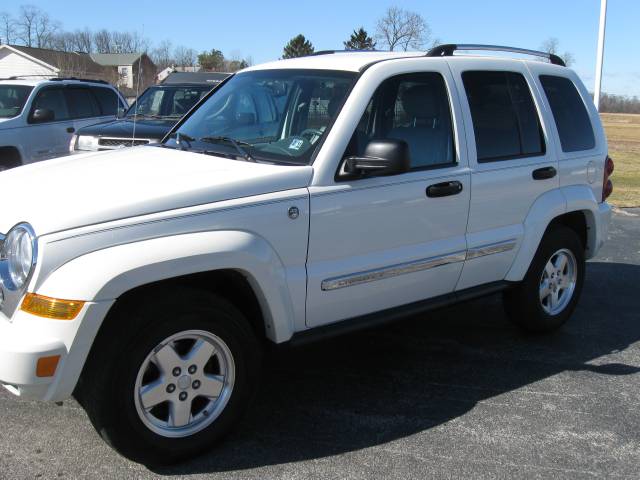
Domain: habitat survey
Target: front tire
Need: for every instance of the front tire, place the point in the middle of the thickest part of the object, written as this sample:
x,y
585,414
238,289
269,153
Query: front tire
x,y
549,292
175,380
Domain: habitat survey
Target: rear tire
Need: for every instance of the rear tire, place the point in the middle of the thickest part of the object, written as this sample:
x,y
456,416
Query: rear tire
x,y
142,356
549,292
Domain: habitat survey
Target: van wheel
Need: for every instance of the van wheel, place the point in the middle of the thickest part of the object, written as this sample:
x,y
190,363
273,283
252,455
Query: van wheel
x,y
547,296
178,380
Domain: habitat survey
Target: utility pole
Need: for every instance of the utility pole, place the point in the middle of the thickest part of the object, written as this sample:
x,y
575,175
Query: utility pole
x,y
600,55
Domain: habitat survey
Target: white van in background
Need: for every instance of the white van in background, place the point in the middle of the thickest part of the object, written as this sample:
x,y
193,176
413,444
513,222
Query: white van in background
x,y
39,117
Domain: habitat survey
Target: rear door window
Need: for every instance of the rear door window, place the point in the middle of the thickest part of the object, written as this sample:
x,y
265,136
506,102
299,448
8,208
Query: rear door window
x,y
107,100
82,104
505,121
569,113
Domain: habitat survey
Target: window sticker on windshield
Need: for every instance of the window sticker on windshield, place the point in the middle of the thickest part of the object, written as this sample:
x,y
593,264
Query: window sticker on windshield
x,y
296,144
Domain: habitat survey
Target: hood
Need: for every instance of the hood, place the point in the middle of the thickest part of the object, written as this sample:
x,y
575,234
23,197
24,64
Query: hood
x,y
81,190
123,128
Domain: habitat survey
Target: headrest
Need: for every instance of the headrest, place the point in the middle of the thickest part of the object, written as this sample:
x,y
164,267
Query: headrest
x,y
419,102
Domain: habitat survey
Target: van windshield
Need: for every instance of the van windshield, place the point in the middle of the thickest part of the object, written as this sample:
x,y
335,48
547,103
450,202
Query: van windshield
x,y
12,99
274,115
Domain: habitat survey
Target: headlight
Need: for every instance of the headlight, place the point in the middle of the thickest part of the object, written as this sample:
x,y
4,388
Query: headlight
x,y
86,142
18,256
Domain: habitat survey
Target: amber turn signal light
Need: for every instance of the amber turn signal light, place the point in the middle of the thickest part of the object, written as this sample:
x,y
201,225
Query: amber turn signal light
x,y
53,308
46,366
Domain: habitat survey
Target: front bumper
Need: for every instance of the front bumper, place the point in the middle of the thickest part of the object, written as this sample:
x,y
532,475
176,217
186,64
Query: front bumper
x,y
19,354
27,338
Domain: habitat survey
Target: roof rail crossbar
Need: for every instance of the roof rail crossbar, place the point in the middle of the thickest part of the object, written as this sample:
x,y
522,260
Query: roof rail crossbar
x,y
329,52
62,79
448,49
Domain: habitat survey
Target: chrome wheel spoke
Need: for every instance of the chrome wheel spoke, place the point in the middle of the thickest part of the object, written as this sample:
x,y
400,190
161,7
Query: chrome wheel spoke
x,y
180,413
549,269
545,290
167,359
153,394
212,386
554,299
561,262
200,353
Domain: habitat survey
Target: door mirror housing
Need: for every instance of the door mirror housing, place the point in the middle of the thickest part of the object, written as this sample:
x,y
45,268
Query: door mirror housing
x,y
121,112
381,157
41,115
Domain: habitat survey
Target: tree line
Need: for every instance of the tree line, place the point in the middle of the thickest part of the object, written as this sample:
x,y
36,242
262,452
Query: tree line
x,y
33,27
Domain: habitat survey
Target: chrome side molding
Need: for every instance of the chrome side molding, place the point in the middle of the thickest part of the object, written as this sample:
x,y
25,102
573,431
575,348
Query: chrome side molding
x,y
491,248
391,271
359,278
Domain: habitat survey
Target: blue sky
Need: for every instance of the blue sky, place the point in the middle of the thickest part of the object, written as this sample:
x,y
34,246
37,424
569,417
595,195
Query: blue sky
x,y
261,28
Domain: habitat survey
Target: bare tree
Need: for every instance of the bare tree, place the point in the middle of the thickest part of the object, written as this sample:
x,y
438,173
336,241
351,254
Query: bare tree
x,y
129,42
184,57
83,40
161,55
102,41
8,32
45,28
552,45
26,24
402,28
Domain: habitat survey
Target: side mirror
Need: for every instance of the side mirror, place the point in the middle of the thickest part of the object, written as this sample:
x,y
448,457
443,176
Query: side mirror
x,y
121,112
246,118
381,157
41,115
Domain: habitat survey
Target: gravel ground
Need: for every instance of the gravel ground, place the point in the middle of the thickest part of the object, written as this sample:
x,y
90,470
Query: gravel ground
x,y
457,393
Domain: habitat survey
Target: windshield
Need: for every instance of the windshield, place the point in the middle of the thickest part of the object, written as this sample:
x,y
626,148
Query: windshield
x,y
273,115
160,101
12,99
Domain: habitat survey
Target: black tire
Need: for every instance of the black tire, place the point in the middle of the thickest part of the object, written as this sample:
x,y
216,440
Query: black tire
x,y
106,388
522,302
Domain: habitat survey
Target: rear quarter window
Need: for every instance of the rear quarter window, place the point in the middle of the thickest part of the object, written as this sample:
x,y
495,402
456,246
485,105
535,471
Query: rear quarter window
x,y
569,112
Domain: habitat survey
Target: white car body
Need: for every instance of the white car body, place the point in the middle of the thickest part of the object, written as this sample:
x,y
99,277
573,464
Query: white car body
x,y
109,222
24,141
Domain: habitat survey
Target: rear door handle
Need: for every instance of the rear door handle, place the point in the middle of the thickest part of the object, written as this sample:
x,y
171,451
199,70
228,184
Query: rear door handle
x,y
444,189
71,129
544,173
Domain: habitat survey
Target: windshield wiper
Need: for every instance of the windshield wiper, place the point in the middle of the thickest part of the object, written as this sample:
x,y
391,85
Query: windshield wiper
x,y
183,137
236,143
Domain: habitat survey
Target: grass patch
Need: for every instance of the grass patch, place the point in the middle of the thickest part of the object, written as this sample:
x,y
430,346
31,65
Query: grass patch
x,y
623,134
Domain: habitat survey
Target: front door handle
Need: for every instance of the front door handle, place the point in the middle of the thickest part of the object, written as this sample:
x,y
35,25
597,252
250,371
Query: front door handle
x,y
71,129
444,189
544,173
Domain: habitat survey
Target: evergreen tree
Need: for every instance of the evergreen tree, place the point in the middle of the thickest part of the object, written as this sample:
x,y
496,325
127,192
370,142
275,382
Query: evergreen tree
x,y
360,40
298,47
211,61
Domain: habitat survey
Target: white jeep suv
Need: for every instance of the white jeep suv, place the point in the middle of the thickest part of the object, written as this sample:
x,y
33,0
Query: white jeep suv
x,y
146,281
39,117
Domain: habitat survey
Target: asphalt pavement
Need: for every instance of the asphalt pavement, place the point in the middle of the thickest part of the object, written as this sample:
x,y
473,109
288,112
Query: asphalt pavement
x,y
457,393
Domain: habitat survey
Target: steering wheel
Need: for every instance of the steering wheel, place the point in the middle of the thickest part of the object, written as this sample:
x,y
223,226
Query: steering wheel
x,y
309,133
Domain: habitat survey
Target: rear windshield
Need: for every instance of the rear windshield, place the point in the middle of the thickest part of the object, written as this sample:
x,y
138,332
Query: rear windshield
x,y
12,99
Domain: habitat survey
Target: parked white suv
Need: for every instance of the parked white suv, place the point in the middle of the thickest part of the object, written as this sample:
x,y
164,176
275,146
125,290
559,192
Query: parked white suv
x,y
146,281
39,117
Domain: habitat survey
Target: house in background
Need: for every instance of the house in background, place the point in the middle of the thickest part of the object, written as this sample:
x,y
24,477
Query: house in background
x,y
132,69
16,60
